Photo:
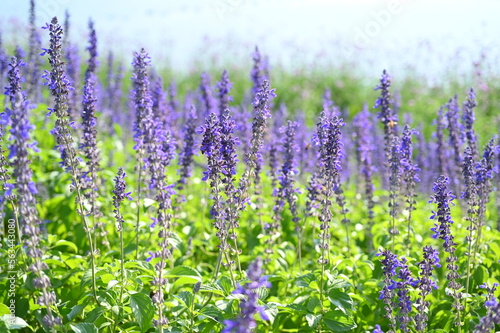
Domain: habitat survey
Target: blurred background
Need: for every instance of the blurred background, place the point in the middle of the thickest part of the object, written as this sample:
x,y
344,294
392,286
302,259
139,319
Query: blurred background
x,y
430,38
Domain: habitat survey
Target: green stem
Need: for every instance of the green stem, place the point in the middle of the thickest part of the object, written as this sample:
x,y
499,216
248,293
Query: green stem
x,y
138,214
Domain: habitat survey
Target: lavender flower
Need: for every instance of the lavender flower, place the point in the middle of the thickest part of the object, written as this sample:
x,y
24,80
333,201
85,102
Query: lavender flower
x,y
249,307
26,190
34,61
19,53
362,130
443,197
92,48
389,265
386,115
425,285
257,73
377,329
228,161
4,62
254,154
286,192
224,87
88,145
189,147
60,88
410,175
141,97
207,100
395,168
73,71
160,148
328,140
483,176
468,119
119,194
158,99
210,147
455,139
72,60
488,322
441,153
404,301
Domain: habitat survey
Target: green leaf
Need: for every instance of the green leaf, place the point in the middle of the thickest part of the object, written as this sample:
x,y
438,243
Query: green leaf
x,y
186,298
337,321
184,271
313,320
69,244
313,304
75,311
93,315
143,310
213,288
305,280
226,284
341,300
212,312
4,309
15,323
84,328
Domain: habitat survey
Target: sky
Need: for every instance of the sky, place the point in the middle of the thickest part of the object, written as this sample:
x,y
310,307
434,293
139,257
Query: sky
x,y
401,34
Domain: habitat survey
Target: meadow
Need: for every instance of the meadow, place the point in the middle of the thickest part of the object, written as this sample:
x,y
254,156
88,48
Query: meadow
x,y
252,199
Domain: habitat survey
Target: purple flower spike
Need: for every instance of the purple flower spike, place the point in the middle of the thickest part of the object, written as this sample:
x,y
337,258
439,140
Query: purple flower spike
x,y
249,307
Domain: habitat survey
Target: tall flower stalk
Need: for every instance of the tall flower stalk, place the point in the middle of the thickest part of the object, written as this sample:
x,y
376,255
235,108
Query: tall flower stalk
x,y
34,61
365,148
119,194
425,285
395,169
468,120
286,191
143,114
387,115
88,142
327,137
249,307
211,147
410,178
26,191
442,230
254,154
60,87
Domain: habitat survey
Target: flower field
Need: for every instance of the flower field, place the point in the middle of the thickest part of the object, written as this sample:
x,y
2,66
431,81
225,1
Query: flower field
x,y
240,200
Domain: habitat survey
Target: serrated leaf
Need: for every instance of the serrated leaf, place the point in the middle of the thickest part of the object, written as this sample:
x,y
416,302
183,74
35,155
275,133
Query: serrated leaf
x,y
84,328
313,303
341,300
142,309
226,284
297,308
212,287
184,271
212,312
305,280
186,298
337,321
